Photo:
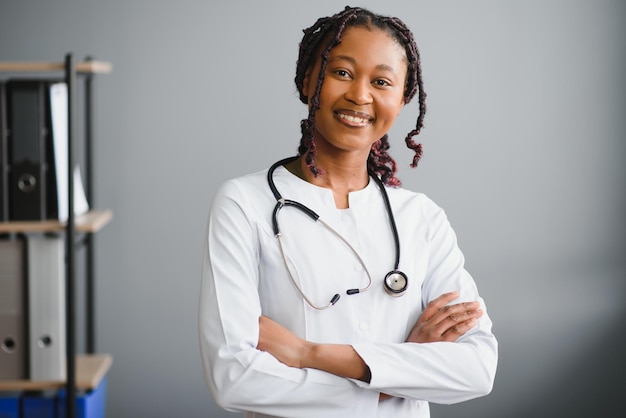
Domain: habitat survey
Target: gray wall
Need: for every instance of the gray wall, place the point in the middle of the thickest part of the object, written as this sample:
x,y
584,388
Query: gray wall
x,y
524,147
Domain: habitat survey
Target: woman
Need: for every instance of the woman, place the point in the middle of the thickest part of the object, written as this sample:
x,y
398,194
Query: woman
x,y
328,290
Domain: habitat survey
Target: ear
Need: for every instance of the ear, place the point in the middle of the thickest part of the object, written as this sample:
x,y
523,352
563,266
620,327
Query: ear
x,y
305,83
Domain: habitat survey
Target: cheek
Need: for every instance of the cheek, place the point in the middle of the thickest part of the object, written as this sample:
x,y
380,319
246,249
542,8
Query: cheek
x,y
328,96
392,110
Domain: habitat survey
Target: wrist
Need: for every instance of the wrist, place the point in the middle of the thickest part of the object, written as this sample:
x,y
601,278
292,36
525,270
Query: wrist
x,y
338,359
309,355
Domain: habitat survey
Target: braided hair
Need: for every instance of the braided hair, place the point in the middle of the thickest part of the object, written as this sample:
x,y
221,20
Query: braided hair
x,y
321,38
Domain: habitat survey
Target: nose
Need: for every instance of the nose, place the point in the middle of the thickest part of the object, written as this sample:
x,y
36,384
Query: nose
x,y
359,92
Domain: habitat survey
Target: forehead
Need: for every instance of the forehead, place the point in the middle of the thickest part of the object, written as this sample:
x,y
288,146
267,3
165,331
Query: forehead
x,y
372,43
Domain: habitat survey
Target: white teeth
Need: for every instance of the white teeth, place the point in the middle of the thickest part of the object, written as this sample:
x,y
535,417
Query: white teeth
x,y
353,119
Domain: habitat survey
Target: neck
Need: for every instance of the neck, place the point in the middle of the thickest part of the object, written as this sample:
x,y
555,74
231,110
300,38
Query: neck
x,y
341,176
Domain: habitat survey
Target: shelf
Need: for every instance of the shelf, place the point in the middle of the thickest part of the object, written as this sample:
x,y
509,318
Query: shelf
x,y
91,67
83,372
91,221
90,370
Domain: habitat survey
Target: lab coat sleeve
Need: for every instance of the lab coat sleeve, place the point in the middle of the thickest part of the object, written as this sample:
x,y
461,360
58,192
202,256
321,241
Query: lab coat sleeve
x,y
240,377
440,372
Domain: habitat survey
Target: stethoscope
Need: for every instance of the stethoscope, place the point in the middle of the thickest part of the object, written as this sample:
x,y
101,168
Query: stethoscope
x,y
395,283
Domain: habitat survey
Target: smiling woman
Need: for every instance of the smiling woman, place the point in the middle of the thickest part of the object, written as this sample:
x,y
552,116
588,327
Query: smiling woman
x,y
361,96
263,328
319,42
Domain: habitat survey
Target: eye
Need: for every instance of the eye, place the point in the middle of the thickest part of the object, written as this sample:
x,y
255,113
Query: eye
x,y
381,83
342,73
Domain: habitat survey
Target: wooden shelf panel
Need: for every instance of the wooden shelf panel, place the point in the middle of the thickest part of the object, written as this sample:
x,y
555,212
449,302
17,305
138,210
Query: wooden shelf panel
x,y
92,67
90,370
91,221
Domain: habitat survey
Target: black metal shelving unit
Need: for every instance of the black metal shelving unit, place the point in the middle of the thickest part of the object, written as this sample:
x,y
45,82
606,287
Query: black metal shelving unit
x,y
76,233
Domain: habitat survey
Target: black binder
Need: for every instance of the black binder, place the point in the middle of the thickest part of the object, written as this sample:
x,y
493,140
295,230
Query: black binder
x,y
4,168
28,124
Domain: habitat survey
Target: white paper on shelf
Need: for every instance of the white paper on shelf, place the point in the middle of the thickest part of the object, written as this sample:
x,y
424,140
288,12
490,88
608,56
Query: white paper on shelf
x,y
59,109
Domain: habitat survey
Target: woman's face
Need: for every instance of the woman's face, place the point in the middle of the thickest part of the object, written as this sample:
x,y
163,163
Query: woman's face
x,y
362,92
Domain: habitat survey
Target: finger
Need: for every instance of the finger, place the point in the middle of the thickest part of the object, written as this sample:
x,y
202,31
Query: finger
x,y
458,329
458,324
453,315
435,305
455,311
464,315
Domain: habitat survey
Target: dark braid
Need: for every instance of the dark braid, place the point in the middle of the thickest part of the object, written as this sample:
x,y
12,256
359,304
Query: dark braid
x,y
414,82
311,43
330,30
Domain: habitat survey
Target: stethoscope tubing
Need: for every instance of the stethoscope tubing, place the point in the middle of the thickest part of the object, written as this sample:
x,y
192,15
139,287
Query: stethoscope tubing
x,y
392,221
282,202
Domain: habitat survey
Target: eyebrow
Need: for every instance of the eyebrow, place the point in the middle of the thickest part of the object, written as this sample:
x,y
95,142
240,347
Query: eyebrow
x,y
348,58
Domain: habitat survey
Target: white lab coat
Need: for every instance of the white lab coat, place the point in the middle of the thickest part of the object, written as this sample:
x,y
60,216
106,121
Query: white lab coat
x,y
244,276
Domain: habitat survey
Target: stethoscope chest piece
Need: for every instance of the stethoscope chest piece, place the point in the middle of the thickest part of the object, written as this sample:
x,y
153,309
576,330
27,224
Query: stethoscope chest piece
x,y
396,283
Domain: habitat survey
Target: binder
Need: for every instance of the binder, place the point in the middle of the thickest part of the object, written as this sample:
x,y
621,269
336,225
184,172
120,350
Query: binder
x,y
4,168
13,347
27,123
46,307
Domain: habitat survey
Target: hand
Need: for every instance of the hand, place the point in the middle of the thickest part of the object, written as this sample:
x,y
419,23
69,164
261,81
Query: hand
x,y
280,342
383,396
443,322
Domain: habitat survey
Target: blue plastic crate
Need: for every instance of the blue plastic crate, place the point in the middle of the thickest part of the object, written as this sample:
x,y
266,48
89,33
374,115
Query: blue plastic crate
x,y
40,405
10,405
88,405
52,404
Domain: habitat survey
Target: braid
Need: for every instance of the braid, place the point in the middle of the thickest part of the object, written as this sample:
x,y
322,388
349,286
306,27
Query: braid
x,y
330,30
381,163
311,43
414,83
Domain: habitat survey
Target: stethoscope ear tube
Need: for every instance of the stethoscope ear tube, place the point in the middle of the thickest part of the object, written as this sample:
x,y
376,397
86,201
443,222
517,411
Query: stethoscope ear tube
x,y
333,300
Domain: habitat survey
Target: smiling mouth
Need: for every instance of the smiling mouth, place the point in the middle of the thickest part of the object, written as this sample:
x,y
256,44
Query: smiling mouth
x,y
355,118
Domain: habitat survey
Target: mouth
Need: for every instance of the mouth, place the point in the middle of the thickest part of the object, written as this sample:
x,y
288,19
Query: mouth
x,y
353,118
